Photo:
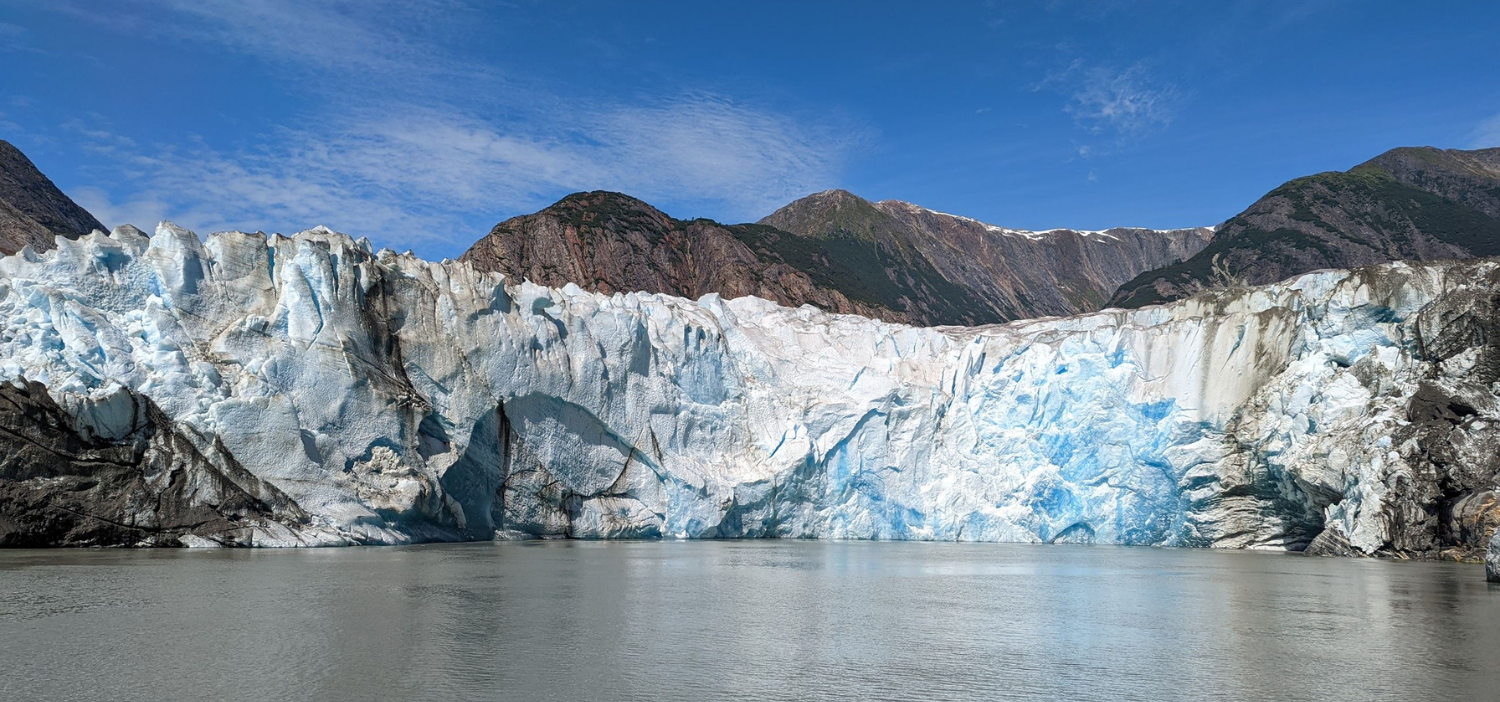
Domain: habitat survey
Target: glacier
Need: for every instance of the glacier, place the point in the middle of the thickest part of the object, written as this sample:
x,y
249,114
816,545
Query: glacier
x,y
319,392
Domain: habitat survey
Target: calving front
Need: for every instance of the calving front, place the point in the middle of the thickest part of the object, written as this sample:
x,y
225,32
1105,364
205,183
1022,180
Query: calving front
x,y
377,398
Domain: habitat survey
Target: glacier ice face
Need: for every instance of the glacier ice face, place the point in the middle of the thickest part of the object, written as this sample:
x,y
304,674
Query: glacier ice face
x,y
397,400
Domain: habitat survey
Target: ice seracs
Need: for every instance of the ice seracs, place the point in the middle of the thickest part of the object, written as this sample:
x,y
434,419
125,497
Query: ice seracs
x,y
391,399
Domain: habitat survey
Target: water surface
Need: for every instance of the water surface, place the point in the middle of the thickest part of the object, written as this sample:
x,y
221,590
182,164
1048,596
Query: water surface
x,y
746,620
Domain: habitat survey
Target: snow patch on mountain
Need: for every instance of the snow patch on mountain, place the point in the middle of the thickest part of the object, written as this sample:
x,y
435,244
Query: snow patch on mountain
x,y
1039,234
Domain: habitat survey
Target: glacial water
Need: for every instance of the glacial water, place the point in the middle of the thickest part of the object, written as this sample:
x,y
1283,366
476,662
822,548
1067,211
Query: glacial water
x,y
748,620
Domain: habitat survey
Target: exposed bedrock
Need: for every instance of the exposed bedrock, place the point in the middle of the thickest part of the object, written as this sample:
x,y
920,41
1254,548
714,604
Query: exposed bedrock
x,y
368,397
115,471
1492,561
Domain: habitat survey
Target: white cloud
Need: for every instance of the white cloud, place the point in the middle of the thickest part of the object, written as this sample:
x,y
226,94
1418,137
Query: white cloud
x,y
141,211
1487,134
408,176
408,143
9,127
15,39
1128,100
713,150
349,35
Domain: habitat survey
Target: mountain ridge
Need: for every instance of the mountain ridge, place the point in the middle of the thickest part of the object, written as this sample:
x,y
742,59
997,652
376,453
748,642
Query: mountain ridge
x,y
1409,203
834,250
610,242
32,209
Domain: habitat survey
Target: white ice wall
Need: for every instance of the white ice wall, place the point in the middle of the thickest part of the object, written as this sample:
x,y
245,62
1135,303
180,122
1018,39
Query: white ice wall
x,y
392,398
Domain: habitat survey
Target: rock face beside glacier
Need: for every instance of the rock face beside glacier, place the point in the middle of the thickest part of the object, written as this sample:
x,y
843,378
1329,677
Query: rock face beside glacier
x,y
113,470
1492,561
32,210
307,390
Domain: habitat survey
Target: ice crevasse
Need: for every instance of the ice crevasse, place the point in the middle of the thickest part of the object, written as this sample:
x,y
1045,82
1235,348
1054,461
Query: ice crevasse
x,y
381,398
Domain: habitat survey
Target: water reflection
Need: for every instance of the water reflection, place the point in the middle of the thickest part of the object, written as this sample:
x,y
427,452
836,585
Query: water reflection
x,y
741,620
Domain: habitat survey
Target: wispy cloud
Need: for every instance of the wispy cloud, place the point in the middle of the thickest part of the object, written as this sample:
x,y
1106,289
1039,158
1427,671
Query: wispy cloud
x,y
14,38
413,175
720,151
1087,9
1129,100
442,147
386,36
1486,134
1126,101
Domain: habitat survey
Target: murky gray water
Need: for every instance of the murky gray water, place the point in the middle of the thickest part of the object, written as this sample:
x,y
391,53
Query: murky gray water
x,y
741,620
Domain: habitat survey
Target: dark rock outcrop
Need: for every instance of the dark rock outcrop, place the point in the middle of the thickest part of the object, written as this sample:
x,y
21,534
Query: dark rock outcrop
x,y
1451,500
119,472
1331,542
1406,204
1492,562
32,210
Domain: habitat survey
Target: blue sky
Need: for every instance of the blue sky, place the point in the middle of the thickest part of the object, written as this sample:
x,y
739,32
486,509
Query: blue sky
x,y
422,123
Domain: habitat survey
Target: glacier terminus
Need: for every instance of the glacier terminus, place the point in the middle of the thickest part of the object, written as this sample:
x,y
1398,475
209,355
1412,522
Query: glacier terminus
x,y
304,391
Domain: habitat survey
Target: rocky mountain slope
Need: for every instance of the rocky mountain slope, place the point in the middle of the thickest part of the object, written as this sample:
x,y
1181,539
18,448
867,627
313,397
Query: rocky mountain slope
x,y
387,399
833,250
1002,274
1406,204
32,210
608,242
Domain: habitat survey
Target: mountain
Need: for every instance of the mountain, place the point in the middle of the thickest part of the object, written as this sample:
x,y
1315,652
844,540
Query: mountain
x,y
980,273
608,242
32,210
306,391
833,250
1419,204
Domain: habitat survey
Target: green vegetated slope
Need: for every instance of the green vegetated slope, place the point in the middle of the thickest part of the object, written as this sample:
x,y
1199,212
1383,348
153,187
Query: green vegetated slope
x,y
1408,203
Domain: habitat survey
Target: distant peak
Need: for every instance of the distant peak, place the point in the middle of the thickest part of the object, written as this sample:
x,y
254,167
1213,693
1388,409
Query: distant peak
x,y
839,194
825,200
834,192
598,206
594,198
835,197
592,212
825,211
1481,162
